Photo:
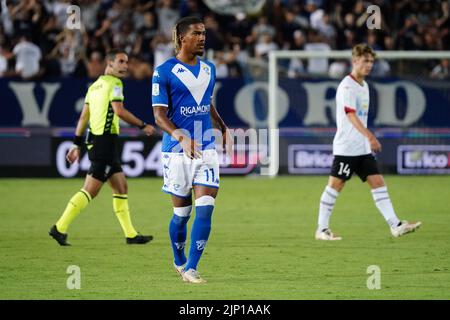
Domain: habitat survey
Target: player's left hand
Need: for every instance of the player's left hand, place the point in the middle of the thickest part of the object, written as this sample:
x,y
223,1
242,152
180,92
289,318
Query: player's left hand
x,y
227,141
149,130
375,145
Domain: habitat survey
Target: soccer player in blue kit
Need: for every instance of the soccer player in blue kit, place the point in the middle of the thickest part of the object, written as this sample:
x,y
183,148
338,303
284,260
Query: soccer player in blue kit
x,y
182,90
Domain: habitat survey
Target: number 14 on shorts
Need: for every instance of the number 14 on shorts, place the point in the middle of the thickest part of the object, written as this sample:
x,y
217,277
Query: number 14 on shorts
x,y
344,169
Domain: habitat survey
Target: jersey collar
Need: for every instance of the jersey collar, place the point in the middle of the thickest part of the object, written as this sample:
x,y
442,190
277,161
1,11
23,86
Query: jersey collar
x,y
354,79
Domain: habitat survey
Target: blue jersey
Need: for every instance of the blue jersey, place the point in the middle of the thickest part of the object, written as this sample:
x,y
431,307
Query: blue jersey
x,y
187,92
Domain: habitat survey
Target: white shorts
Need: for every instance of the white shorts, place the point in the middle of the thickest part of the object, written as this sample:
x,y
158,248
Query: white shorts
x,y
181,173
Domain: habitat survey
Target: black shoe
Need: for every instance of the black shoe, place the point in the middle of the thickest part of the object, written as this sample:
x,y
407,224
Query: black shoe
x,y
61,238
139,239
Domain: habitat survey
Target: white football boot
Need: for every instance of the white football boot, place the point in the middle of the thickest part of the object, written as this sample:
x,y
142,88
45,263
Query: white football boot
x,y
179,269
326,235
192,276
404,228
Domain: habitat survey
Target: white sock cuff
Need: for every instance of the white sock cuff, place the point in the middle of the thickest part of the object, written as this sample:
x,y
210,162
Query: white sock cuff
x,y
379,191
204,201
332,192
182,211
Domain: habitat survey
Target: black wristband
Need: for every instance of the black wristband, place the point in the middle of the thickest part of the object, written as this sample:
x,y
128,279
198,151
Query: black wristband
x,y
143,125
78,140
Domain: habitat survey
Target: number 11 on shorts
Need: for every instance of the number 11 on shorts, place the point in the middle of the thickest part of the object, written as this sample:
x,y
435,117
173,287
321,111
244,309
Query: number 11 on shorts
x,y
207,174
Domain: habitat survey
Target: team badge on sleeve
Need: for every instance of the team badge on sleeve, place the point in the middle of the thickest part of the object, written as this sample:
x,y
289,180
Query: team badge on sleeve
x,y
117,91
155,89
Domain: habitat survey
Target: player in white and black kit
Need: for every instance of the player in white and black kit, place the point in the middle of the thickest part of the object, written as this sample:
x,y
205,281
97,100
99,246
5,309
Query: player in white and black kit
x,y
353,146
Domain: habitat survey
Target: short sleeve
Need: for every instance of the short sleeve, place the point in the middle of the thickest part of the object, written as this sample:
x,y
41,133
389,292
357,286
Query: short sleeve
x,y
16,49
349,100
116,93
159,89
86,98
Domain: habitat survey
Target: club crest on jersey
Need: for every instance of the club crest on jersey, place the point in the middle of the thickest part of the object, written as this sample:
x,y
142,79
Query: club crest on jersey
x,y
207,69
156,73
364,111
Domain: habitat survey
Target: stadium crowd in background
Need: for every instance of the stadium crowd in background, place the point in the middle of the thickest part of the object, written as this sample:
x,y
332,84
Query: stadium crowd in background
x,y
35,42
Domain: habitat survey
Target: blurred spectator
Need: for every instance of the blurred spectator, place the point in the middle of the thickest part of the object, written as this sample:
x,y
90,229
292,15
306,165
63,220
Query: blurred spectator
x,y
266,45
442,70
27,56
327,30
443,24
215,39
95,65
3,63
238,59
296,67
408,37
192,8
146,34
126,38
315,15
48,37
139,69
238,29
289,26
68,61
89,9
6,21
316,43
381,68
372,40
432,41
338,69
162,49
115,18
59,10
221,65
167,17
26,17
259,29
234,68
144,29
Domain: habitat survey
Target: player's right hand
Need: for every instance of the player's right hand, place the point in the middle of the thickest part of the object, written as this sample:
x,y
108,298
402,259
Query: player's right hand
x,y
190,147
375,145
74,154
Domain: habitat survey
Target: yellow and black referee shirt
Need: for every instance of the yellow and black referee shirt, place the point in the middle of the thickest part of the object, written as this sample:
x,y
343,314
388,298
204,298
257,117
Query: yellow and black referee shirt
x,y
101,93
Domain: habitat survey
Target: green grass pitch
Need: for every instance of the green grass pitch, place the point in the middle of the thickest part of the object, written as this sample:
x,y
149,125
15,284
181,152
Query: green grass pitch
x,y
261,245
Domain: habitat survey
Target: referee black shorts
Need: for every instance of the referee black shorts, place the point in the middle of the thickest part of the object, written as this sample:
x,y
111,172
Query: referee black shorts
x,y
344,166
103,153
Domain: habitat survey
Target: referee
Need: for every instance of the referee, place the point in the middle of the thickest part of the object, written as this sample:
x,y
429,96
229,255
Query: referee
x,y
102,109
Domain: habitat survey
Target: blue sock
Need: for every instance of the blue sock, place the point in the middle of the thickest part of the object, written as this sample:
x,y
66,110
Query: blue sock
x,y
178,232
200,232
